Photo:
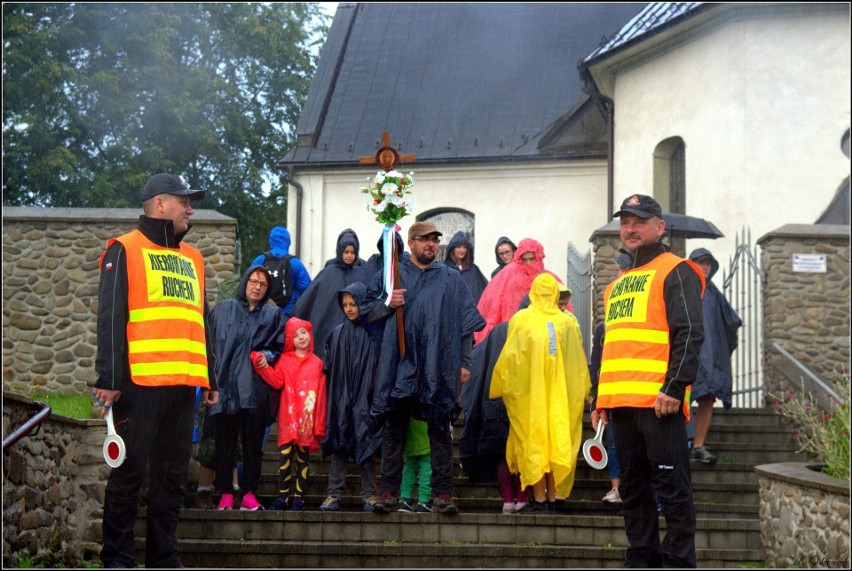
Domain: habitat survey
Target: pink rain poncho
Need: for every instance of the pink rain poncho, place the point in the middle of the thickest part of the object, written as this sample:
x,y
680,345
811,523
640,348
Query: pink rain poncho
x,y
503,294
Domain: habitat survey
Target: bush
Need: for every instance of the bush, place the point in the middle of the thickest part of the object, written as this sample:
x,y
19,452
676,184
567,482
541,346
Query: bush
x,y
822,433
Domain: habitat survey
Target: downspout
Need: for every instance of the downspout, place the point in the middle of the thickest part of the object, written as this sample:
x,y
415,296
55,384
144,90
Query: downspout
x,y
588,85
299,196
610,154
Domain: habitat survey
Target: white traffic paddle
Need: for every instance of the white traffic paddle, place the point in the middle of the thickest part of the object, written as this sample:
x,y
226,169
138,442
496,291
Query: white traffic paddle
x,y
114,451
594,451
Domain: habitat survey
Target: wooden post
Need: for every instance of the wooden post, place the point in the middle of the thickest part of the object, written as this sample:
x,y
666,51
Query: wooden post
x,y
388,158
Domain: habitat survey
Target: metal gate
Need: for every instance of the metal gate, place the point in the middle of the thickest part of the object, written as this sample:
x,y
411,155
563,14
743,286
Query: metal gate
x,y
579,279
743,287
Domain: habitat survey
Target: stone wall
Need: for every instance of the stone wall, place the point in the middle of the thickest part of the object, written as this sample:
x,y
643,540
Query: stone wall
x,y
805,312
50,288
53,488
804,517
605,245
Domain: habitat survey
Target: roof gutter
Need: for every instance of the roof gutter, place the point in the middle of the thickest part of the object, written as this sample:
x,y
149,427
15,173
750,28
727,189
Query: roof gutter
x,y
300,191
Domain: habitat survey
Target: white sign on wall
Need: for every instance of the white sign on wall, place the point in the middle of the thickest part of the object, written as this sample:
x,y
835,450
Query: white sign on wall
x,y
813,263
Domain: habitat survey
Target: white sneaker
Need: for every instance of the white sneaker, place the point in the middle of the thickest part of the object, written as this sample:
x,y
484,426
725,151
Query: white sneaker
x,y
612,496
509,507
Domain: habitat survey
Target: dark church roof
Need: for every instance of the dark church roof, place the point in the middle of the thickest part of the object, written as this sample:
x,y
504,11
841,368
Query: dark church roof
x,y
838,210
456,82
652,19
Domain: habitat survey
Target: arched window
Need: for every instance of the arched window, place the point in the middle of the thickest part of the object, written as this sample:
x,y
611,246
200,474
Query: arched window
x,y
670,182
449,221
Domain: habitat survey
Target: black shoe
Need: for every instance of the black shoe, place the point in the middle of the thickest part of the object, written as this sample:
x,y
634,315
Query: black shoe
x,y
701,454
423,508
443,504
551,507
533,507
280,504
203,500
388,503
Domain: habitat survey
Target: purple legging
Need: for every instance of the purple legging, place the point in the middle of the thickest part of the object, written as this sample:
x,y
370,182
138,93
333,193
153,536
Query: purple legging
x,y
510,484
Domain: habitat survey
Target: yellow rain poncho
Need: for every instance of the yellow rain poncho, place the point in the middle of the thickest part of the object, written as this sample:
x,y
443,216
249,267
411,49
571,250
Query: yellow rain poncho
x,y
543,377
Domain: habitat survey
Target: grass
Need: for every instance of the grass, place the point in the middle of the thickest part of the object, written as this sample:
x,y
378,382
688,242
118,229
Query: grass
x,y
73,406
27,561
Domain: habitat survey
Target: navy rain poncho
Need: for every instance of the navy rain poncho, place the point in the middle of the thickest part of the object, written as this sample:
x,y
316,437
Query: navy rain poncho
x,y
352,354
235,333
720,339
318,303
438,311
482,444
376,262
470,272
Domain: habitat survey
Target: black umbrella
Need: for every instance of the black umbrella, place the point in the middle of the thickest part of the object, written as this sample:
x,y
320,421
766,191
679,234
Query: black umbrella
x,y
682,226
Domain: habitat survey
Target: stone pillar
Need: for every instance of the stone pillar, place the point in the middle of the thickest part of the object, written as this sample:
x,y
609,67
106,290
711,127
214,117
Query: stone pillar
x,y
806,303
605,245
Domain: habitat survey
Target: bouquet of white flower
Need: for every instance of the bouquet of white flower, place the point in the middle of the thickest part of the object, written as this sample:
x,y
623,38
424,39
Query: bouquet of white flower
x,y
389,196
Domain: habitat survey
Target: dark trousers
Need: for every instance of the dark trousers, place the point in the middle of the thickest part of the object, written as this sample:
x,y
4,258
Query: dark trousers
x,y
251,426
393,447
293,470
337,476
156,425
653,457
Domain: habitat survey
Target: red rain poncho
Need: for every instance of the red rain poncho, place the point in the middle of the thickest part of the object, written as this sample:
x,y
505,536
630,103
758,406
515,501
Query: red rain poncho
x,y
503,294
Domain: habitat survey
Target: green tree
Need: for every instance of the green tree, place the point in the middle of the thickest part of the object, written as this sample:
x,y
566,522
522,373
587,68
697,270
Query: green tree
x,y
97,97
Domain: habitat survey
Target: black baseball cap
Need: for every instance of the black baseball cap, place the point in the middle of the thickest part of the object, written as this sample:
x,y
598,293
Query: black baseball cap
x,y
165,183
641,205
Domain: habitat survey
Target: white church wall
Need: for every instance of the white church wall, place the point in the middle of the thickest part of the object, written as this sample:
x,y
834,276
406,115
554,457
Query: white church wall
x,y
552,202
761,104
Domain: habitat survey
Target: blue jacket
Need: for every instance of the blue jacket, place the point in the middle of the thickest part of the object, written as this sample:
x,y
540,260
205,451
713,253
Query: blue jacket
x,y
279,246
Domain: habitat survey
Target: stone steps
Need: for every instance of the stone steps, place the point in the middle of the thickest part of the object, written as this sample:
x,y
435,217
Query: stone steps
x,y
584,532
343,539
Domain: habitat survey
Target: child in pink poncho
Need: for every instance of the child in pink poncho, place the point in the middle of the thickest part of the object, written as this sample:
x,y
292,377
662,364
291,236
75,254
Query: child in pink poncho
x,y
298,373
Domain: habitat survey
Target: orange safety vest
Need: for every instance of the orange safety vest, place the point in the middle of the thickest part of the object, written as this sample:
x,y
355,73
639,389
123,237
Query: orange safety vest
x,y
165,298
636,344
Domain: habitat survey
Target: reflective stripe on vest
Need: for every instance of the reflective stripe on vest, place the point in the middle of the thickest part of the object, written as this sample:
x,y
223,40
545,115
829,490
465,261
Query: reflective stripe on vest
x,y
636,344
165,328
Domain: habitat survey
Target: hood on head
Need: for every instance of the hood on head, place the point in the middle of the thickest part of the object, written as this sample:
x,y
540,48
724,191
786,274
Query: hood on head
x,y
400,245
699,253
279,241
529,245
241,289
460,239
544,293
290,328
503,240
346,238
356,289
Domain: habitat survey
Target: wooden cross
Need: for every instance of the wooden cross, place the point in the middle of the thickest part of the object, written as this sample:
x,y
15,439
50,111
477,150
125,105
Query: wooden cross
x,y
386,157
